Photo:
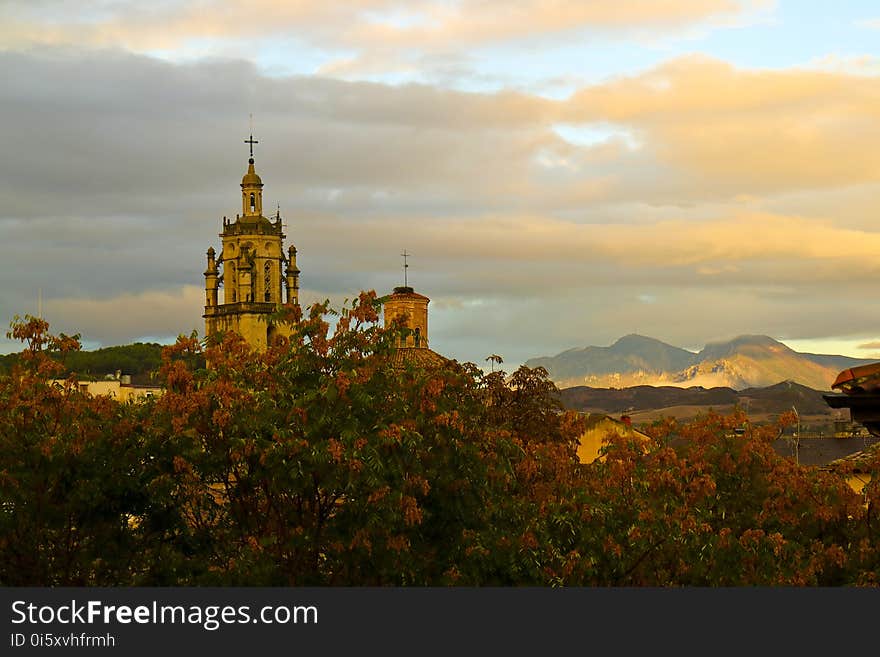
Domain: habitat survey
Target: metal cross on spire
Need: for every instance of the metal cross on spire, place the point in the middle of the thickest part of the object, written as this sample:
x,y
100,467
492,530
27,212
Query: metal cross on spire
x,y
405,267
252,141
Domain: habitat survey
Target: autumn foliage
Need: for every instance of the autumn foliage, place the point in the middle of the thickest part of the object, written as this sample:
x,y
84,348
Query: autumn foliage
x,y
318,462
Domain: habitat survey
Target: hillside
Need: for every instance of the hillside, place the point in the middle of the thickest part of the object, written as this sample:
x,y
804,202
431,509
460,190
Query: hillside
x,y
771,400
138,360
748,361
638,398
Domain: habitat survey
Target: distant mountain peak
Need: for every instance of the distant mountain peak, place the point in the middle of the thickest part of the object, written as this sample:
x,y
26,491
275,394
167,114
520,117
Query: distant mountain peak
x,y
749,360
740,345
636,339
749,339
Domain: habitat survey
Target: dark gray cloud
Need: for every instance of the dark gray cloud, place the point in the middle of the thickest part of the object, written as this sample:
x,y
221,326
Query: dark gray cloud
x,y
119,167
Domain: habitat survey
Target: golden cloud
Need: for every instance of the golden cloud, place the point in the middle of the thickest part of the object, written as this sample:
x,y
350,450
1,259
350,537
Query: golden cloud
x,y
728,247
365,25
746,131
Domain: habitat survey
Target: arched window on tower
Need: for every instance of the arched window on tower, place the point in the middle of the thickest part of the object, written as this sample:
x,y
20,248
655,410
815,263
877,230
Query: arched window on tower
x,y
418,337
267,282
253,202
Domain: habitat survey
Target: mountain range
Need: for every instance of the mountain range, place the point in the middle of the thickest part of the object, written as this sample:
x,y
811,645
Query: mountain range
x,y
748,361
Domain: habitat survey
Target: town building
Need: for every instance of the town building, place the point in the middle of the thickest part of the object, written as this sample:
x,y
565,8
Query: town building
x,y
598,427
117,387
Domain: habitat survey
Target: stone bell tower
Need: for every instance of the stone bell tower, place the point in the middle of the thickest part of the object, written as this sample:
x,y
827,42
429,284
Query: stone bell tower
x,y
253,269
412,308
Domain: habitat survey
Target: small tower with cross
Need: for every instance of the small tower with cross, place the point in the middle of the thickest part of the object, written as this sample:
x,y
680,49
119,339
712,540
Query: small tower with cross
x,y
253,269
406,303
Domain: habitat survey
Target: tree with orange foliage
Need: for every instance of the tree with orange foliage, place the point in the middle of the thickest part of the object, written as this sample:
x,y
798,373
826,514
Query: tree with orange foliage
x,y
320,462
317,462
721,509
70,473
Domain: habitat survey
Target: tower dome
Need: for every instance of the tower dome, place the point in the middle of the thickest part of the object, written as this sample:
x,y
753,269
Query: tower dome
x,y
251,179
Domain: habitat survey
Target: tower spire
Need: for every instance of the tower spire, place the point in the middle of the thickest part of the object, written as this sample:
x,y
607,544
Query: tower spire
x,y
405,267
252,141
251,184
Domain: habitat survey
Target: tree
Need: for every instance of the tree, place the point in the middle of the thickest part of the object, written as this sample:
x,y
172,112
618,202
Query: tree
x,y
494,359
70,473
721,510
320,462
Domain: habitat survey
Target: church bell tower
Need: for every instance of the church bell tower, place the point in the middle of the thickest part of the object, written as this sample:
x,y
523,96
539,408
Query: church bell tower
x,y
253,269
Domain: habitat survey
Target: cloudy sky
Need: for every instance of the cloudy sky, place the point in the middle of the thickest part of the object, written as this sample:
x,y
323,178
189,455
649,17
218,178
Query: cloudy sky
x,y
564,172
